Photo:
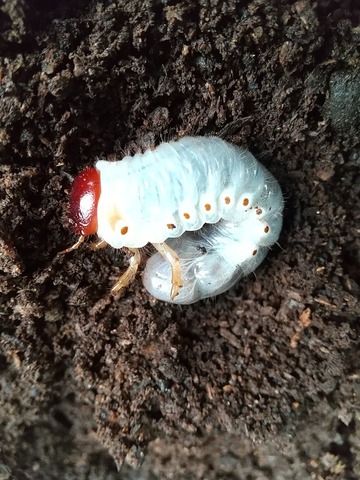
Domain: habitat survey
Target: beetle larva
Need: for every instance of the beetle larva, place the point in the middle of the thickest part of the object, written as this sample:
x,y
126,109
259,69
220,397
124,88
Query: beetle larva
x,y
208,207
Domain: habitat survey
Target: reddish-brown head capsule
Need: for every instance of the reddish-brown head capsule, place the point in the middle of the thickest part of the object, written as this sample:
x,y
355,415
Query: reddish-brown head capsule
x,y
83,201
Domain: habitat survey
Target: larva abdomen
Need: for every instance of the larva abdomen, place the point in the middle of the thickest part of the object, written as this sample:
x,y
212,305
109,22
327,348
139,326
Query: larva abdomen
x,y
208,264
175,188
217,256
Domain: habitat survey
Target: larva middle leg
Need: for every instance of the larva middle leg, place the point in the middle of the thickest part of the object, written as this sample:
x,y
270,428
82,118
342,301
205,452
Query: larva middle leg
x,y
172,258
130,273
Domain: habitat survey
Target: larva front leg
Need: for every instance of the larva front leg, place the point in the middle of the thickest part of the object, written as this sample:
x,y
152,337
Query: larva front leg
x,y
98,245
127,277
76,245
172,258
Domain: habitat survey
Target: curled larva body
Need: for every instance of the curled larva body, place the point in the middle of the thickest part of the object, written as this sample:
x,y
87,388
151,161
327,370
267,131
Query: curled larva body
x,y
211,263
215,257
215,205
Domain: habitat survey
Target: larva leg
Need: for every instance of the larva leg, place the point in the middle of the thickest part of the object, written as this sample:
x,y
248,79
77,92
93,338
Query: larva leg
x,y
98,245
130,273
76,245
171,256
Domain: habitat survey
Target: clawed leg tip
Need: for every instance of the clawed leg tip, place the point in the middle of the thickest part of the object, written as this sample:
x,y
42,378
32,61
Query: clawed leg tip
x,y
116,289
76,245
175,292
130,273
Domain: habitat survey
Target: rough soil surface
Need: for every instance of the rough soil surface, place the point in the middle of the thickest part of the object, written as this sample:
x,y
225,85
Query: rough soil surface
x,y
259,383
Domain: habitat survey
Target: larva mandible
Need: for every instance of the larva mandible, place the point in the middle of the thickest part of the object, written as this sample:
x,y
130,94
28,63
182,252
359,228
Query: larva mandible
x,y
210,209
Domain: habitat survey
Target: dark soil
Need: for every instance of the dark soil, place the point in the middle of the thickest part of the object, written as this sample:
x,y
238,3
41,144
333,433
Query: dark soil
x,y
262,382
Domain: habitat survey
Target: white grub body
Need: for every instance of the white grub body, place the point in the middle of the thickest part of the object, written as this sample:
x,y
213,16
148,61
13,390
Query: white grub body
x,y
212,202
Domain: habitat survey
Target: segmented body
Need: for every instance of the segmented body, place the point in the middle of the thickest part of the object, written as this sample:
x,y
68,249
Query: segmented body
x,y
212,202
